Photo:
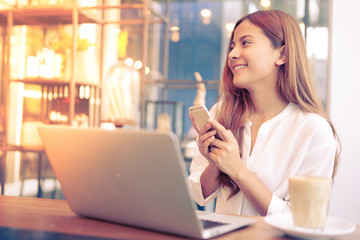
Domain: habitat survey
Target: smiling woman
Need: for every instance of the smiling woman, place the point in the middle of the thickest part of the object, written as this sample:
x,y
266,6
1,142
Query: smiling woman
x,y
272,123
202,47
253,58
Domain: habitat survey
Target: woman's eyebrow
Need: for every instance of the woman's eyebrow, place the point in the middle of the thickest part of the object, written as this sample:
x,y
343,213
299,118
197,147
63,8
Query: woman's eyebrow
x,y
245,36
242,38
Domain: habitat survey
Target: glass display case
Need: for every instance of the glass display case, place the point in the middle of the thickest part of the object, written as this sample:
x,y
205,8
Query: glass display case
x,y
41,83
55,59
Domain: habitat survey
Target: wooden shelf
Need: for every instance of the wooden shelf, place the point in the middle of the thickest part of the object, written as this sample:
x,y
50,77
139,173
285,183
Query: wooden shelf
x,y
48,16
41,81
16,148
98,85
46,81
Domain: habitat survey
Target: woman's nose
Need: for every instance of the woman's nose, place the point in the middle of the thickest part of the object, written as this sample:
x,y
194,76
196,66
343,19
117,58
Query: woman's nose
x,y
233,54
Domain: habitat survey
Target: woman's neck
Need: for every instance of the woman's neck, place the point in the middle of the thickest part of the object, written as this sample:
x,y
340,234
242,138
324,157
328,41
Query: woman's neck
x,y
267,104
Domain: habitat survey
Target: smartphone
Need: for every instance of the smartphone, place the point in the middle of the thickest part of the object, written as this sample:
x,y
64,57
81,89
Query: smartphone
x,y
201,115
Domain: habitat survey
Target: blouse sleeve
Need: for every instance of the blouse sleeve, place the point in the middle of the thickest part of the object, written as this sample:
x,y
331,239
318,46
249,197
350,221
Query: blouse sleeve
x,y
197,167
318,160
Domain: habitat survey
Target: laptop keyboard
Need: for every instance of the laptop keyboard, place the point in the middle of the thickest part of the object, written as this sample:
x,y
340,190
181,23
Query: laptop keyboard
x,y
210,224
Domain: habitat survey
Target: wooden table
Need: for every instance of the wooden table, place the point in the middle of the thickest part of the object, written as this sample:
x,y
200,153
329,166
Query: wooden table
x,y
37,218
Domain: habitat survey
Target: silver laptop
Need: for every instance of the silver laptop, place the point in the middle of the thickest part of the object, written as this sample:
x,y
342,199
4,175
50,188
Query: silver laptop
x,y
131,177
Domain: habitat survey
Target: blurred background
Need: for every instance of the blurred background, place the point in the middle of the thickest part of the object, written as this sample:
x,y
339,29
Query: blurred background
x,y
141,64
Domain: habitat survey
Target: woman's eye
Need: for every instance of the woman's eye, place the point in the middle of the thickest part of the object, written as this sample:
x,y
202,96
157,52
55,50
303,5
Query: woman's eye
x,y
244,43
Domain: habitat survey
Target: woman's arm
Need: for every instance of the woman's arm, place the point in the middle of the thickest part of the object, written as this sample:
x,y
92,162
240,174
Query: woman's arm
x,y
253,188
198,166
225,155
209,180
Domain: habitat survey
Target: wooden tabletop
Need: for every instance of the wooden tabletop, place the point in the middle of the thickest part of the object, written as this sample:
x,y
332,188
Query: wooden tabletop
x,y
38,217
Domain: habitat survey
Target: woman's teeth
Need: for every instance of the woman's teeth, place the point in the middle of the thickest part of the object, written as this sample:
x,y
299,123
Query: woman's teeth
x,y
239,67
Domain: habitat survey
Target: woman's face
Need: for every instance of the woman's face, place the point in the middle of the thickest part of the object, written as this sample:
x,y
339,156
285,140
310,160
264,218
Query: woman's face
x,y
252,58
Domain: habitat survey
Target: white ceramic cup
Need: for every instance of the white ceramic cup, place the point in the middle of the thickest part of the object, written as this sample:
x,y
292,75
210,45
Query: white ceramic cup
x,y
309,199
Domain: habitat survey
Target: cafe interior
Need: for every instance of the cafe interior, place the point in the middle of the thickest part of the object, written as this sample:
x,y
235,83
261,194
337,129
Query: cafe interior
x,y
124,64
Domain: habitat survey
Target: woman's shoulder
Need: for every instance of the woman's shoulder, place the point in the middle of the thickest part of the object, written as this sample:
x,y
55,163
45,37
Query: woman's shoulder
x,y
308,117
311,122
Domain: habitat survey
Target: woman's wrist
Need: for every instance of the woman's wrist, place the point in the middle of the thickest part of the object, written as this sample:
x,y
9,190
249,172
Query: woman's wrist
x,y
241,175
214,169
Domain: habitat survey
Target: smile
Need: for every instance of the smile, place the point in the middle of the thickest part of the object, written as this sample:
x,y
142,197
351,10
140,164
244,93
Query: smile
x,y
237,67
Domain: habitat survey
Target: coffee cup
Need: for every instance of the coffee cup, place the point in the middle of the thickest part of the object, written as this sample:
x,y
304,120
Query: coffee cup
x,y
309,199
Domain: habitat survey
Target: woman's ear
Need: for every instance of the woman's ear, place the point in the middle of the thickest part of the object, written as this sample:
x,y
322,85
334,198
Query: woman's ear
x,y
282,58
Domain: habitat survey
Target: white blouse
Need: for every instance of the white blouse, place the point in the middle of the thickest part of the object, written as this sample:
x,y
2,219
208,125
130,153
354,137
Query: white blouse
x,y
292,143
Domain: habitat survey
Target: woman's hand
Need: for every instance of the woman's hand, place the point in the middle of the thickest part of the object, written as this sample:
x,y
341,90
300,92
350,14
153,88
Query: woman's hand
x,y
225,153
206,137
210,177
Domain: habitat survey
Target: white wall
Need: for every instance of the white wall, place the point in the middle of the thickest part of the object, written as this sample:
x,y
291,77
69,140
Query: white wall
x,y
345,106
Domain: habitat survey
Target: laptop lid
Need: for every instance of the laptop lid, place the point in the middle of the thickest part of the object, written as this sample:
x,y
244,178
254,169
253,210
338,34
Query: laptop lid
x,y
132,177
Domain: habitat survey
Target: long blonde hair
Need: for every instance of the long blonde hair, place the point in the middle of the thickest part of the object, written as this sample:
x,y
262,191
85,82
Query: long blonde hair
x,y
293,80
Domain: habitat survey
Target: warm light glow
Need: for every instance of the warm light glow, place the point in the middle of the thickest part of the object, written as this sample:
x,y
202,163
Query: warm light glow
x,y
229,27
82,92
61,94
66,92
302,28
57,65
88,31
87,92
31,94
175,36
92,101
147,70
13,39
46,61
129,61
138,65
174,28
265,3
122,43
205,13
116,31
87,3
32,66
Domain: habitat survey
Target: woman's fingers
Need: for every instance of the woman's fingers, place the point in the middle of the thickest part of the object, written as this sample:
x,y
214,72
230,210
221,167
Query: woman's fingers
x,y
202,131
220,129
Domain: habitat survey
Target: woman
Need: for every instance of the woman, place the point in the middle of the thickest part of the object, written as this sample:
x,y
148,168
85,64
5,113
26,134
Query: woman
x,y
271,122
